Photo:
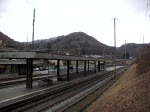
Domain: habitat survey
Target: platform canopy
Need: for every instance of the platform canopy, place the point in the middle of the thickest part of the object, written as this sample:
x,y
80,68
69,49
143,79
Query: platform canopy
x,y
42,55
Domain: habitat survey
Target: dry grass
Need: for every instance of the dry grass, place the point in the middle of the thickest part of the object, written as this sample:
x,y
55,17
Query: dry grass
x,y
144,61
131,93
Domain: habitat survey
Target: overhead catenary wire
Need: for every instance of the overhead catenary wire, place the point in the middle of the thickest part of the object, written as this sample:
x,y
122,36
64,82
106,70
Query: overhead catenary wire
x,y
35,6
147,6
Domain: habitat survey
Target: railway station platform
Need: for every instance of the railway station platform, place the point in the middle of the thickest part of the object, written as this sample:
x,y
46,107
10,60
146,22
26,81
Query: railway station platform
x,y
14,92
11,93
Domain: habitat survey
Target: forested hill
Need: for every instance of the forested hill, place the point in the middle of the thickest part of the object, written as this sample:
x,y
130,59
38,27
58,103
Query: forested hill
x,y
6,43
75,43
132,49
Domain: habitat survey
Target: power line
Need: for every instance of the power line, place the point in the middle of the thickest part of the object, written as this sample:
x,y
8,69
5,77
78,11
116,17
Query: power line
x,y
31,3
35,6
147,5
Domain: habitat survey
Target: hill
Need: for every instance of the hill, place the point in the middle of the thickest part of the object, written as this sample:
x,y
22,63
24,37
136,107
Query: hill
x,y
132,49
74,43
80,43
6,43
77,43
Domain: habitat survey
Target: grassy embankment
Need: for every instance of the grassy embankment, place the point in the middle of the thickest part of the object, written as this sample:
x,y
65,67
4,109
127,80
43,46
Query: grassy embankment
x,y
131,93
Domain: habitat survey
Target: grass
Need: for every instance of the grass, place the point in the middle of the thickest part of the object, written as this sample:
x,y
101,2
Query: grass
x,y
144,61
131,93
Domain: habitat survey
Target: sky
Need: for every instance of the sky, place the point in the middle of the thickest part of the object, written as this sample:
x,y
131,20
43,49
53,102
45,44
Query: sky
x,y
61,17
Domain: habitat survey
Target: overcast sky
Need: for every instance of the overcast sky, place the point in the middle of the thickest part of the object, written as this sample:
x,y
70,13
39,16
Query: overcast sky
x,y
61,17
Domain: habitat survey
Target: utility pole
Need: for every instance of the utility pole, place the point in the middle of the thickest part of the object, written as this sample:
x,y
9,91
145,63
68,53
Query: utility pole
x,y
114,32
33,28
103,52
27,44
114,46
143,39
143,46
125,55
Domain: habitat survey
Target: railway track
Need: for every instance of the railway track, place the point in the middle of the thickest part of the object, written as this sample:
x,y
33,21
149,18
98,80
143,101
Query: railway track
x,y
58,98
13,81
64,106
18,80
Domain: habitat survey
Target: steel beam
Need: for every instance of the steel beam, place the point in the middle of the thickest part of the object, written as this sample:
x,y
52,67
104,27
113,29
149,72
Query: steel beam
x,y
77,67
94,66
58,69
11,66
104,66
88,65
29,73
84,68
68,63
98,66
19,71
41,55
